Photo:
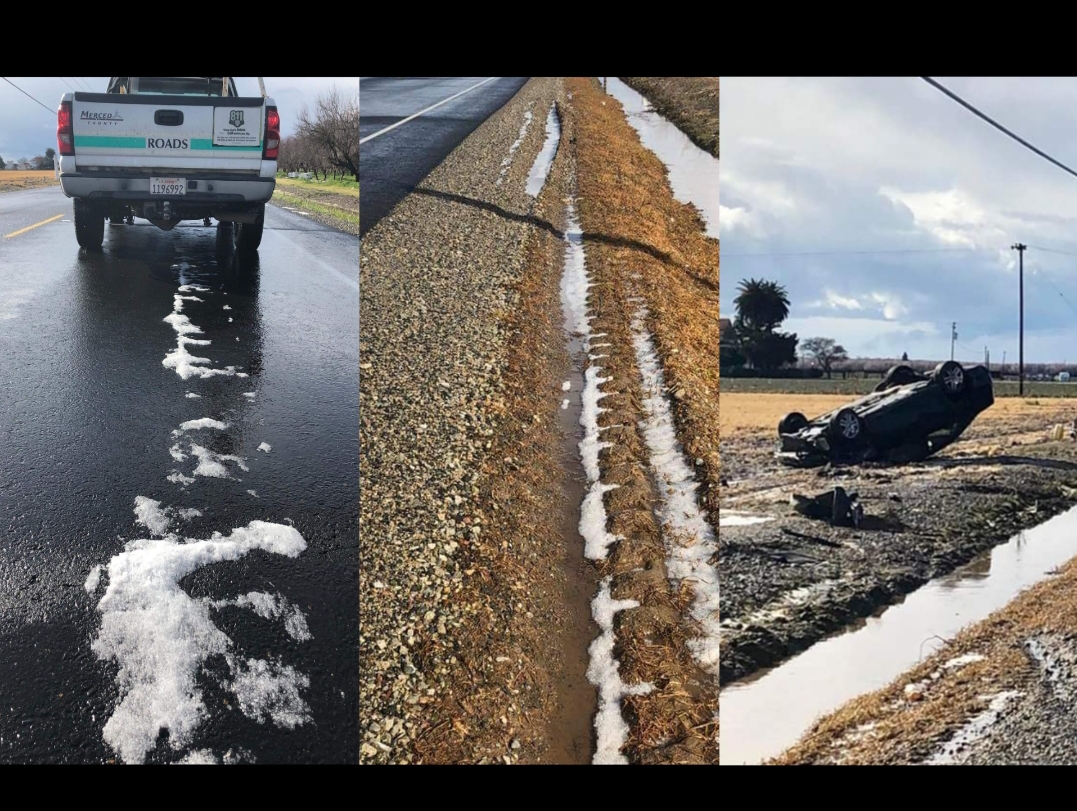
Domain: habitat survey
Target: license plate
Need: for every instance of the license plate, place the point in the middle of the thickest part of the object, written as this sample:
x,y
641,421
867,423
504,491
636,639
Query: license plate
x,y
168,185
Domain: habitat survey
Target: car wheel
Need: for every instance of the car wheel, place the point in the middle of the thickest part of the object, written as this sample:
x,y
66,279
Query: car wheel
x,y
951,376
249,235
899,376
89,224
791,423
846,429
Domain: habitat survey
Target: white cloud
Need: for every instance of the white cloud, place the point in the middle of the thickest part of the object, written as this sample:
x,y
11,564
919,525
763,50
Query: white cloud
x,y
836,301
882,198
730,219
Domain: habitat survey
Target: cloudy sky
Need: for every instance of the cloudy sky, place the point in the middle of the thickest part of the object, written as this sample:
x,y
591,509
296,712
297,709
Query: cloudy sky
x,y
895,209
26,129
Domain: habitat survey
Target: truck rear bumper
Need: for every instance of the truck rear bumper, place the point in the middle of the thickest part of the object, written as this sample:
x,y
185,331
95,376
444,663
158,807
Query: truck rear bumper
x,y
210,190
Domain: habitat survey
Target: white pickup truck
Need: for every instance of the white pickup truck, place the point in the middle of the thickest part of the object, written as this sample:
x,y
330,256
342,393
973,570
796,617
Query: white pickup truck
x,y
166,150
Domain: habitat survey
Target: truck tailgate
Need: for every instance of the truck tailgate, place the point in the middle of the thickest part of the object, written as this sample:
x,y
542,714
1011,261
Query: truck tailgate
x,y
142,132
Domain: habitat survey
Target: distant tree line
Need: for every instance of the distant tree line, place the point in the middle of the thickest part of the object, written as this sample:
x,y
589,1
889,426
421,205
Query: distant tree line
x,y
46,161
326,141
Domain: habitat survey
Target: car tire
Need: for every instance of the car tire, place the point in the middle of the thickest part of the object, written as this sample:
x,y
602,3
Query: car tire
x,y
951,376
791,423
899,376
249,235
846,430
89,224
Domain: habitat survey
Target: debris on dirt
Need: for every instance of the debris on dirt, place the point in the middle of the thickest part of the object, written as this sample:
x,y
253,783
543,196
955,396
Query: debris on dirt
x,y
841,509
1061,430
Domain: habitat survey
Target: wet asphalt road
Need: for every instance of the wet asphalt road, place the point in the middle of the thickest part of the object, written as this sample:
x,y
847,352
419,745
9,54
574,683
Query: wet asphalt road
x,y
87,412
393,164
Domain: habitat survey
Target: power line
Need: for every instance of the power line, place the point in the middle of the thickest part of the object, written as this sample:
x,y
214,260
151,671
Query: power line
x,y
995,124
62,79
1052,250
51,112
86,84
852,253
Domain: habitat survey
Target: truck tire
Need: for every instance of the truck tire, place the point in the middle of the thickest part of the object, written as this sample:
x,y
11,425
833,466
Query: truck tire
x,y
249,235
89,224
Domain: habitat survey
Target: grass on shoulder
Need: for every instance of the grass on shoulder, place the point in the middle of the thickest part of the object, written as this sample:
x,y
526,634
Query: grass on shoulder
x,y
348,186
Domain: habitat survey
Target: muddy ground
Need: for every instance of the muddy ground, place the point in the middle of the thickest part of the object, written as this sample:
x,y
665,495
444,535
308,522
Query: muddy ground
x,y
790,581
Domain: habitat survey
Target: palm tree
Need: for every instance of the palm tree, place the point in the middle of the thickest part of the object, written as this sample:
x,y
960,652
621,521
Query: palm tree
x,y
761,305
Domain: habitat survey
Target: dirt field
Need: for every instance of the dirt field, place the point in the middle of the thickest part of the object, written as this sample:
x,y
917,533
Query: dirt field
x,y
762,412
17,181
690,102
922,520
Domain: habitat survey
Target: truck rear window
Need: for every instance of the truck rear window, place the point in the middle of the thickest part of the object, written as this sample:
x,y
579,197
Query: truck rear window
x,y
181,86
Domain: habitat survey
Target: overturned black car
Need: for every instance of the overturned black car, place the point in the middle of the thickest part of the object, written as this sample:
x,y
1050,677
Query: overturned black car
x,y
908,417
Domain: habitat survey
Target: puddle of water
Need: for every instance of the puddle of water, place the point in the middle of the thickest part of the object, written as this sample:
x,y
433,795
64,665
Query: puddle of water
x,y
693,173
572,739
741,520
541,167
572,735
765,715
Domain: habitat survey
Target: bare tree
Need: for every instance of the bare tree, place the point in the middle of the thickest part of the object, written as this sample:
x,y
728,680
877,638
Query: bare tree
x,y
825,351
333,133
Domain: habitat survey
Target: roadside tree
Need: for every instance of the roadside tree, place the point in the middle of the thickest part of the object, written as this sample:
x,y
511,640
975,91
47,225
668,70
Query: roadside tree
x,y
826,352
333,131
761,308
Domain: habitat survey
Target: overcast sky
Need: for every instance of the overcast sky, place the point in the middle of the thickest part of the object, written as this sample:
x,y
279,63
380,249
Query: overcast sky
x,y
27,129
842,165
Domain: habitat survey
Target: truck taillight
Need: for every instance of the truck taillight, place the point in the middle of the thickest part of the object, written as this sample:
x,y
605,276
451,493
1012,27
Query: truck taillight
x,y
272,136
65,134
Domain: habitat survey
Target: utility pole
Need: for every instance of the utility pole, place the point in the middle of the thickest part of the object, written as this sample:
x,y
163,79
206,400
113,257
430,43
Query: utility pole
x,y
953,338
1021,339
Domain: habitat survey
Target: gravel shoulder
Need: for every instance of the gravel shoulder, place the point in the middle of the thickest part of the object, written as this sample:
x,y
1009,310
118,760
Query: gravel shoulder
x,y
440,279
790,581
475,615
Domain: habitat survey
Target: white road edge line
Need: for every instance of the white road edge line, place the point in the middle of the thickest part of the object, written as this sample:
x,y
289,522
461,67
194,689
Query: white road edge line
x,y
352,283
427,110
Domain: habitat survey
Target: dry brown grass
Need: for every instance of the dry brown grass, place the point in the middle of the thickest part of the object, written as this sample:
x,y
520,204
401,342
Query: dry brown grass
x,y
640,241
628,205
33,179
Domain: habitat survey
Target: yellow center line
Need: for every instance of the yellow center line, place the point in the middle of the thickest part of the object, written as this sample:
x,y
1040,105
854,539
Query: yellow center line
x,y
32,227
